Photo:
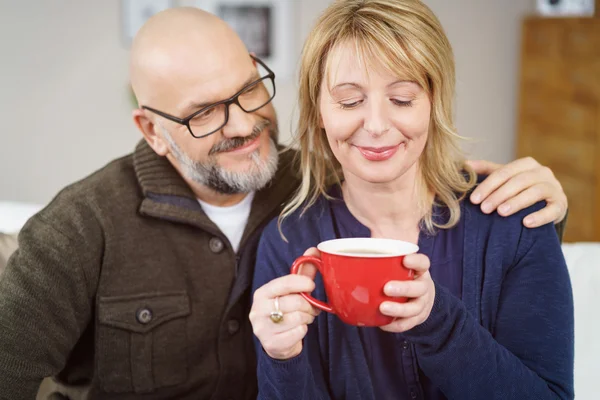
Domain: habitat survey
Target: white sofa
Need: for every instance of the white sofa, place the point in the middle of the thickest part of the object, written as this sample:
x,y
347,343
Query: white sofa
x,y
583,260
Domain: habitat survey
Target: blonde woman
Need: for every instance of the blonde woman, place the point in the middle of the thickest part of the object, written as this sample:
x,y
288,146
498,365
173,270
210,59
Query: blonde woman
x,y
490,314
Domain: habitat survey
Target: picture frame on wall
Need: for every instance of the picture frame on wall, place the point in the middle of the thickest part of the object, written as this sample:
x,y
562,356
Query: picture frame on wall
x,y
136,12
265,26
566,8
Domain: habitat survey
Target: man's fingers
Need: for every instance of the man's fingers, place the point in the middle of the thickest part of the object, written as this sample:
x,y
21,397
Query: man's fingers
x,y
518,193
551,213
525,199
500,176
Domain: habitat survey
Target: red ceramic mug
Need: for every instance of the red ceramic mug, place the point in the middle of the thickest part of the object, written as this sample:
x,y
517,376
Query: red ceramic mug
x,y
354,272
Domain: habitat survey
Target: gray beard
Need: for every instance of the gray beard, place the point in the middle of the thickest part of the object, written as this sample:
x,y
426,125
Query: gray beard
x,y
213,176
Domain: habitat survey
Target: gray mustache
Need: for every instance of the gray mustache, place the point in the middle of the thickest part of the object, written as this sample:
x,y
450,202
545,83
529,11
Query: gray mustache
x,y
234,143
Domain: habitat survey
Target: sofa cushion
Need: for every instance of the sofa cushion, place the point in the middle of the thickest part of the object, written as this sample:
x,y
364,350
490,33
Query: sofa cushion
x,y
584,270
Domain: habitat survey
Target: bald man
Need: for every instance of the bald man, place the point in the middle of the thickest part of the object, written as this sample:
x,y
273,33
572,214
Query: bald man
x,y
134,282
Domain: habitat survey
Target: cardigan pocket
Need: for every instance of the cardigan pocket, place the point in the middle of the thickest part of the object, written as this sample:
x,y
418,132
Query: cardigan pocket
x,y
141,342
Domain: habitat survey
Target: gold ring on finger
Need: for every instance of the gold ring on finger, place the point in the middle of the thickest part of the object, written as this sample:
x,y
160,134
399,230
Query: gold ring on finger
x,y
276,315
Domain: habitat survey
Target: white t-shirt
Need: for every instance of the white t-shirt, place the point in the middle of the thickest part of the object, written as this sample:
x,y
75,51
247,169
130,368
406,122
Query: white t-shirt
x,y
231,220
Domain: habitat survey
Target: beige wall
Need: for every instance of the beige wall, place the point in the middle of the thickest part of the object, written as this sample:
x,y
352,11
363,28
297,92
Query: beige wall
x,y
485,35
65,110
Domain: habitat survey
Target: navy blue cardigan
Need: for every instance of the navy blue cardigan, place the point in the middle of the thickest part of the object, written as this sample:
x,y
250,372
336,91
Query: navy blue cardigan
x,y
509,337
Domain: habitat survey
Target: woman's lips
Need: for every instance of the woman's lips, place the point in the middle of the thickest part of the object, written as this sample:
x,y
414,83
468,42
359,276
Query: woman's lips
x,y
378,153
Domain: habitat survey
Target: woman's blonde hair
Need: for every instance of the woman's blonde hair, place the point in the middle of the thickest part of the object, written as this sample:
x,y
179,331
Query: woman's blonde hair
x,y
405,37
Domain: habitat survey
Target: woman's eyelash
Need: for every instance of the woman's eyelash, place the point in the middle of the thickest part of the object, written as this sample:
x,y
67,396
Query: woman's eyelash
x,y
402,103
346,106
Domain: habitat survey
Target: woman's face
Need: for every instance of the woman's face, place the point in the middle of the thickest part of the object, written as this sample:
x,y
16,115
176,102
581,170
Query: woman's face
x,y
376,123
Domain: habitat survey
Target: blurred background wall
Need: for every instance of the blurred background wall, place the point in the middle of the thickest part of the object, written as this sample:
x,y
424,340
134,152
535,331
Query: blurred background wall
x,y
65,107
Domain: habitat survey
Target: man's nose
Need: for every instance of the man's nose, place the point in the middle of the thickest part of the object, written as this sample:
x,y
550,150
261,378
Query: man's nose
x,y
239,124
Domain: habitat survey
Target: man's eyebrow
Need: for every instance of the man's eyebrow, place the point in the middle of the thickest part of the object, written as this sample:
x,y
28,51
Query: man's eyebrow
x,y
194,106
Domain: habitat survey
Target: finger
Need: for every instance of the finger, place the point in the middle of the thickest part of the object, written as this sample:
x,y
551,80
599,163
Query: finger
x,y
411,289
287,304
289,284
551,213
309,269
500,176
295,302
483,167
527,183
292,336
290,321
402,310
417,262
402,324
524,199
280,345
312,251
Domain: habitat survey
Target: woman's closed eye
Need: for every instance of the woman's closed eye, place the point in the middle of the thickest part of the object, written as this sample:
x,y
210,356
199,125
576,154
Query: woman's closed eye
x,y
402,103
349,104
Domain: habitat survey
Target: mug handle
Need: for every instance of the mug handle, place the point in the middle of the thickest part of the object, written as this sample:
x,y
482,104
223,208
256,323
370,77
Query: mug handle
x,y
318,263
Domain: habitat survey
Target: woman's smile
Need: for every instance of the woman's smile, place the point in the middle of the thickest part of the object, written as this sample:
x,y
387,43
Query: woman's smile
x,y
378,153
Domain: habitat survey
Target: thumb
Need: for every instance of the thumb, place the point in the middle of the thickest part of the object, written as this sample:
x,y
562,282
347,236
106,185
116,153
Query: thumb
x,y
483,167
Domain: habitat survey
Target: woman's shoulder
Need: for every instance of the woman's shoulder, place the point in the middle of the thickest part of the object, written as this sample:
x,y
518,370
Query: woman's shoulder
x,y
505,237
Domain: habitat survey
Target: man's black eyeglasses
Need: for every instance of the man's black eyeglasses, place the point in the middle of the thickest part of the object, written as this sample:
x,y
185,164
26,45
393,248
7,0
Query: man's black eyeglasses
x,y
213,117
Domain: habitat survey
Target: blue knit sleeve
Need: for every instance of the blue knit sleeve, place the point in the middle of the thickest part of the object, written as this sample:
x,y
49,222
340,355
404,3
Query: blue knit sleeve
x,y
528,353
300,378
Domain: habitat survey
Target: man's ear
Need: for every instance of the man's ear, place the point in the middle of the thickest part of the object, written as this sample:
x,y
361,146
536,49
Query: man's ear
x,y
149,131
253,54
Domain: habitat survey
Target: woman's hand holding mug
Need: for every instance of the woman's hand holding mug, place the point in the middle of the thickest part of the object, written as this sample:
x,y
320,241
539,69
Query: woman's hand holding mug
x,y
420,293
280,316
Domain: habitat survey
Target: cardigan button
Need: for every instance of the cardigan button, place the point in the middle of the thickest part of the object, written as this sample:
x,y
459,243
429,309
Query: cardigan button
x,y
216,245
143,316
413,394
405,345
233,326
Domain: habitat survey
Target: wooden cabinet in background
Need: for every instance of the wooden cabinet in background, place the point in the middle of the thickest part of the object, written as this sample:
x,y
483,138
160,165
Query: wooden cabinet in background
x,y
559,112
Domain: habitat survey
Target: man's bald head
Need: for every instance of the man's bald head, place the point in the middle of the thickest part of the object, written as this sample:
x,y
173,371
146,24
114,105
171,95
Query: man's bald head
x,y
176,47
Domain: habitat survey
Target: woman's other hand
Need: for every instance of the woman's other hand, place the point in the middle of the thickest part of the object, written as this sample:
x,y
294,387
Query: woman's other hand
x,y
283,340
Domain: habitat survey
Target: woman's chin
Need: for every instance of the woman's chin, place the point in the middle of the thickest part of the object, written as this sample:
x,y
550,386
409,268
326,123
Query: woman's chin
x,y
379,179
